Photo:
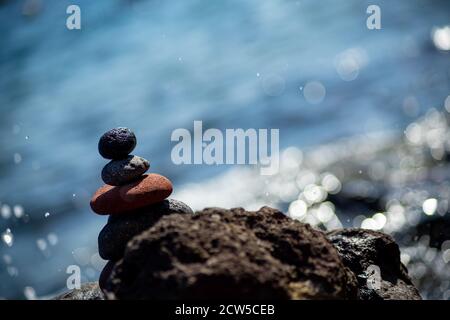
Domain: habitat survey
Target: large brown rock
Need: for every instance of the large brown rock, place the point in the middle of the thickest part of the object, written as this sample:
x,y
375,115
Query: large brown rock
x,y
234,253
147,190
374,258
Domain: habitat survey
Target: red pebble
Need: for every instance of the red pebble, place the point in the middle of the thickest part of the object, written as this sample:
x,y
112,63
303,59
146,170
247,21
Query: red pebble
x,y
149,189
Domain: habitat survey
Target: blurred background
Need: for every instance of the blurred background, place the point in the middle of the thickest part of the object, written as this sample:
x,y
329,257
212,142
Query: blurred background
x,y
363,118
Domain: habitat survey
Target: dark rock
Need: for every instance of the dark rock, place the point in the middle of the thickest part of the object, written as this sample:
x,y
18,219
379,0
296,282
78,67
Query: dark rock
x,y
121,228
359,195
148,189
436,227
104,275
123,171
88,291
117,143
364,251
220,253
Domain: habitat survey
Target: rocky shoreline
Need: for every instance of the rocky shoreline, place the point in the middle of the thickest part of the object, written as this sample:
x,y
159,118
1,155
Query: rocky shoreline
x,y
376,177
219,253
395,184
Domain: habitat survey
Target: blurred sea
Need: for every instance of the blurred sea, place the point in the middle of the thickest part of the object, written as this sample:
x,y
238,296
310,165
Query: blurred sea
x,y
155,66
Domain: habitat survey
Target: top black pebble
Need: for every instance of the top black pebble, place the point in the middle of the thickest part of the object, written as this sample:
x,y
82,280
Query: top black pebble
x,y
117,143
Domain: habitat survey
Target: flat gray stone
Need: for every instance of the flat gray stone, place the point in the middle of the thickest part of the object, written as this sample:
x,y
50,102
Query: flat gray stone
x,y
120,172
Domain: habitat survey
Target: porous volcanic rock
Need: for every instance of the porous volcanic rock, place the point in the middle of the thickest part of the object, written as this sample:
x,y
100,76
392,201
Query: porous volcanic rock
x,y
220,253
361,250
87,291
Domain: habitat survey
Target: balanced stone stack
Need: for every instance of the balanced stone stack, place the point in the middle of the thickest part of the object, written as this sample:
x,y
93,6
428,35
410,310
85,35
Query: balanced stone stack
x,y
134,201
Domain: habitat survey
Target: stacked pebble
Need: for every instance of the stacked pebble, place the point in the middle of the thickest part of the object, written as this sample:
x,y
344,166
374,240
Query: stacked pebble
x,y
134,200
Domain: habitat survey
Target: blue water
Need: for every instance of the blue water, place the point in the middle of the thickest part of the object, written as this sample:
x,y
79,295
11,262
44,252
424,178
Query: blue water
x,y
155,66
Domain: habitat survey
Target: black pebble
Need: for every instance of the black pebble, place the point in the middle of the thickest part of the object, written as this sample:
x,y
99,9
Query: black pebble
x,y
117,143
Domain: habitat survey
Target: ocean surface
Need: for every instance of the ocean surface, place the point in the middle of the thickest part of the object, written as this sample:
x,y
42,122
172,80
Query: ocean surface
x,y
309,68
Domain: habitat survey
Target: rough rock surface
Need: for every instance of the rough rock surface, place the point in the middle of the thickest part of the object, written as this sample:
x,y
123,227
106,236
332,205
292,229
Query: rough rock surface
x,y
123,171
221,253
361,250
121,228
149,189
88,291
